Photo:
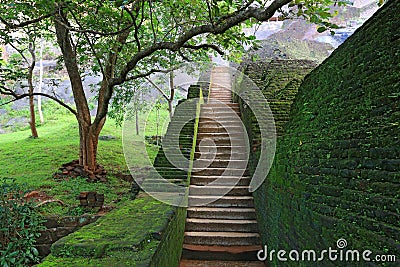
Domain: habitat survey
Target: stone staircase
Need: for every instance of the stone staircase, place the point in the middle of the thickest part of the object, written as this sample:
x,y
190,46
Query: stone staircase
x,y
221,226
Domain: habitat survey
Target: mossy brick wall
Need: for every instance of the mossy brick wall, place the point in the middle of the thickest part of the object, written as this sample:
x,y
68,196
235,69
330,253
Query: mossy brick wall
x,y
58,227
279,81
164,167
168,252
336,173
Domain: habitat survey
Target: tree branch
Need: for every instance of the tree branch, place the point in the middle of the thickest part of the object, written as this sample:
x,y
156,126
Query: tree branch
x,y
21,52
135,33
219,27
152,23
21,96
152,71
158,88
183,56
26,23
90,44
205,46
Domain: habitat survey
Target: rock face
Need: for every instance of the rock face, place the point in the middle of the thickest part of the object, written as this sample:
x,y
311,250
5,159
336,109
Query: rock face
x,y
17,123
336,171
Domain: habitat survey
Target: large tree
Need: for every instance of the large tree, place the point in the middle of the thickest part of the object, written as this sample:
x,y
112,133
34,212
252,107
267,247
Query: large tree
x,y
125,40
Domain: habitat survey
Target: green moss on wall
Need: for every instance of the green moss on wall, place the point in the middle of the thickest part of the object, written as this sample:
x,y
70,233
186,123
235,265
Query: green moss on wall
x,y
143,231
337,166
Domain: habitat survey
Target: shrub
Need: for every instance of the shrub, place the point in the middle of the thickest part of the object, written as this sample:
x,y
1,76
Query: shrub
x,y
20,225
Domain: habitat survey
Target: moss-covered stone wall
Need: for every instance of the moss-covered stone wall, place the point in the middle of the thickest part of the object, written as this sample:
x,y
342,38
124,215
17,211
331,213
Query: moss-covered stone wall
x,y
279,81
164,167
140,233
336,172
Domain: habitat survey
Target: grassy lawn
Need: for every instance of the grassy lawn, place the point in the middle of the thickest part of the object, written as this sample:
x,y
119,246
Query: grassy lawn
x,y
33,161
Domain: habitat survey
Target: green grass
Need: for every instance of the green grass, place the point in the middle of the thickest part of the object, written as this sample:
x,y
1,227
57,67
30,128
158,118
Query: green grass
x,y
33,161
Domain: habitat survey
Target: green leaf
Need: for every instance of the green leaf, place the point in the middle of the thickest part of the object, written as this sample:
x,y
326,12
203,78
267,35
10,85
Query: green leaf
x,y
321,29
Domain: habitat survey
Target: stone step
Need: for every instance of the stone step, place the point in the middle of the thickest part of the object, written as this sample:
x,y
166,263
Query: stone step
x,y
218,128
238,138
220,171
221,87
225,201
220,163
214,128
222,117
219,180
221,109
222,238
220,113
222,149
235,134
215,190
224,120
223,93
221,98
222,255
221,142
212,111
220,225
220,123
214,105
220,101
220,156
221,213
220,105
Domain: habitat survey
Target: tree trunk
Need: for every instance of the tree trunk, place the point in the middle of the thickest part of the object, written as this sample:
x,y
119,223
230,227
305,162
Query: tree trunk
x,y
88,142
137,121
88,132
89,139
172,94
32,122
39,103
30,84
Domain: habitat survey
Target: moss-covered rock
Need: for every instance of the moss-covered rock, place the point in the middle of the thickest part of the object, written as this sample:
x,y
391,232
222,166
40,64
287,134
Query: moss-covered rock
x,y
134,235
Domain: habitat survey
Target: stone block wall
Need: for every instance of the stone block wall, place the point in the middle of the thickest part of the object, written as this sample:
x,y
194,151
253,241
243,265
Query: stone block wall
x,y
58,227
336,172
279,81
164,167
